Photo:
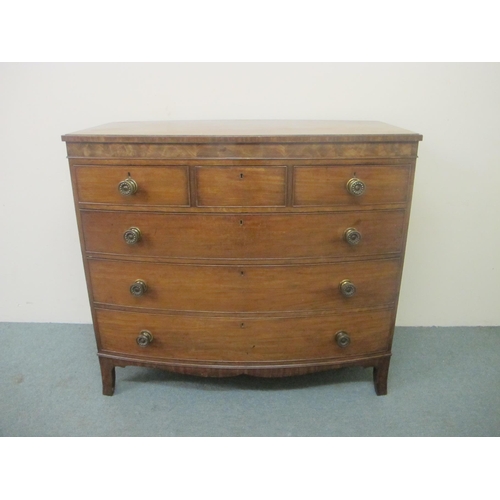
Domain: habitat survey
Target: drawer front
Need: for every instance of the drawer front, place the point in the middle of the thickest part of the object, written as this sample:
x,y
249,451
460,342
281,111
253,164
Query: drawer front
x,y
327,186
245,288
155,185
241,186
179,337
244,236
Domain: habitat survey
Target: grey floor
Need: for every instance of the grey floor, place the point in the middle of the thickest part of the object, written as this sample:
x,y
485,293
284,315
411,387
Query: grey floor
x,y
442,382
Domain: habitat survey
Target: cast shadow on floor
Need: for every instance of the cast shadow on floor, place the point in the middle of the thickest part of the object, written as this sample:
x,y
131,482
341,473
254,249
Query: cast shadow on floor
x,y
135,375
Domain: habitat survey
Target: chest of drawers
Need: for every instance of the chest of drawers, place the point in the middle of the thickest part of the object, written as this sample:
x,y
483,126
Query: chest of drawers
x,y
267,248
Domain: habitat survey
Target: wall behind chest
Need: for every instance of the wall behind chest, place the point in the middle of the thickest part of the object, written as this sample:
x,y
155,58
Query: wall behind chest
x,y
451,275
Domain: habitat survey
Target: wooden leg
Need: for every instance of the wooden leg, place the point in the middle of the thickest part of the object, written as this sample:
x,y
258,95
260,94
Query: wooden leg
x,y
108,376
380,373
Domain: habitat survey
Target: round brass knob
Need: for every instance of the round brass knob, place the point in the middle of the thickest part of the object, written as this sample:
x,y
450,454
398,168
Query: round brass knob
x,y
128,187
145,338
355,186
347,288
132,235
352,236
138,288
342,339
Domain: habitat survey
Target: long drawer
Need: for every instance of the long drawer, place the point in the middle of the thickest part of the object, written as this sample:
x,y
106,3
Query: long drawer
x,y
245,288
249,236
179,337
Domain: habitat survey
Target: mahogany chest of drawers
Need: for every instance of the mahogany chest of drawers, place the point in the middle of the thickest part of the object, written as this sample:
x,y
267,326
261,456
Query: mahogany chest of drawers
x,y
267,248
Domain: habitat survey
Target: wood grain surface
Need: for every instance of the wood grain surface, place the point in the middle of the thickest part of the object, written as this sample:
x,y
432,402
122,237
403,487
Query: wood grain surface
x,y
326,185
244,236
260,131
245,288
313,150
178,337
242,243
240,186
167,185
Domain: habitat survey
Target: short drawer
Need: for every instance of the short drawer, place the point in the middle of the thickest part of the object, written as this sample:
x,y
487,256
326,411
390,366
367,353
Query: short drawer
x,y
218,288
328,185
180,337
240,186
165,185
243,236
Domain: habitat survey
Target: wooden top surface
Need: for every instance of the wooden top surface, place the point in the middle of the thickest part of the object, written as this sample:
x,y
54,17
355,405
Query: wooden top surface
x,y
246,131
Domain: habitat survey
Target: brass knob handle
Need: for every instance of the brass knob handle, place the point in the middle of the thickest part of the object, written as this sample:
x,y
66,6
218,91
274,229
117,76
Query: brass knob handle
x,y
355,186
145,338
128,187
342,338
352,236
132,235
138,288
347,288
